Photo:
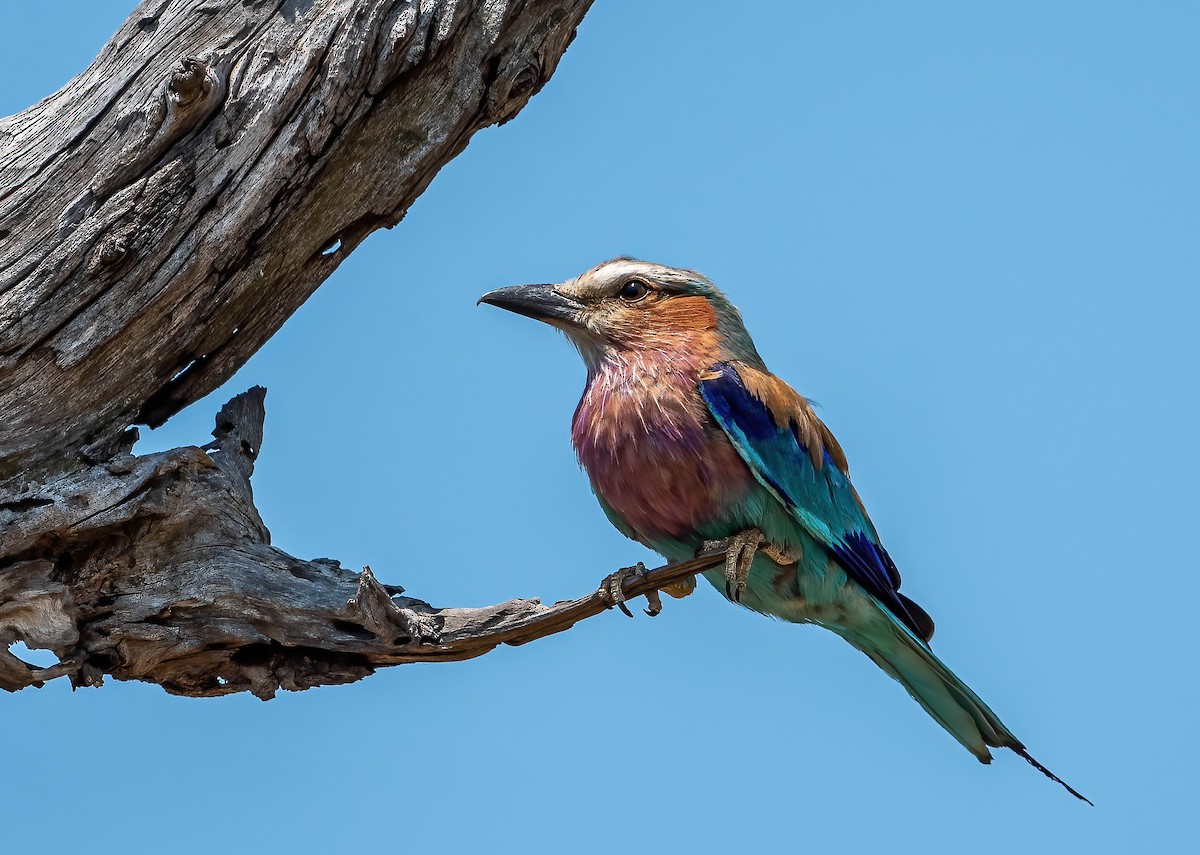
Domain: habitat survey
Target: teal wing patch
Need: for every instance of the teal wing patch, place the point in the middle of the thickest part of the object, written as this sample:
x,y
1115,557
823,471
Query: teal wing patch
x,y
820,497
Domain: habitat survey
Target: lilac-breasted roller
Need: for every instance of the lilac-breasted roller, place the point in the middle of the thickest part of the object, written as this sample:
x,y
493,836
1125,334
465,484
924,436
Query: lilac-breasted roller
x,y
690,442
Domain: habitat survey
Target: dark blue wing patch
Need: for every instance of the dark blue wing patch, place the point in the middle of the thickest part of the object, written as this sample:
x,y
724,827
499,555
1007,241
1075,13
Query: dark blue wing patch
x,y
869,564
735,405
732,404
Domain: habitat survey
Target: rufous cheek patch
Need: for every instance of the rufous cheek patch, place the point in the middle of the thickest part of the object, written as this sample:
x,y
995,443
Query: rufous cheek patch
x,y
685,314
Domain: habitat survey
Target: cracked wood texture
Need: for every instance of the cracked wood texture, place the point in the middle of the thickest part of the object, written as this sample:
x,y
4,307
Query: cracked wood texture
x,y
164,213
159,568
160,218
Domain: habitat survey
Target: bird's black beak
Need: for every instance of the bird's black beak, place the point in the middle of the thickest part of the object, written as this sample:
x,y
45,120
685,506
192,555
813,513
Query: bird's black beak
x,y
541,302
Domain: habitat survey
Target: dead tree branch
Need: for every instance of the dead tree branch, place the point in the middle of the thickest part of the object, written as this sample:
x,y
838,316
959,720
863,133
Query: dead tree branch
x,y
163,214
158,568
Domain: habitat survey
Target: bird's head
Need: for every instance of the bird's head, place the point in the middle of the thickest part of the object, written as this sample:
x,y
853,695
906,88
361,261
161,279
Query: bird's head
x,y
626,306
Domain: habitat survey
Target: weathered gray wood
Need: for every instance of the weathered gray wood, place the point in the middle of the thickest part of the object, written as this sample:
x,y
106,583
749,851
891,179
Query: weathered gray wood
x,y
164,213
158,568
160,218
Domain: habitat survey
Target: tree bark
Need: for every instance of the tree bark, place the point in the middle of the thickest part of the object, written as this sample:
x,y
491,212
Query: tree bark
x,y
164,213
160,218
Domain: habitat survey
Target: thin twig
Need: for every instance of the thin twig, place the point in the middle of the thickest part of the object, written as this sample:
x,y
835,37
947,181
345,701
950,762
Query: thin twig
x,y
565,614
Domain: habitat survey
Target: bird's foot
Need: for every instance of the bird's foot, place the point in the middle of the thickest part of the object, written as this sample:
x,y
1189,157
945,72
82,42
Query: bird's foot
x,y
739,555
612,590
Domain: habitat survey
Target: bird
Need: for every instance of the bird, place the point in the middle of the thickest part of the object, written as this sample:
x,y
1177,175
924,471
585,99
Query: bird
x,y
692,445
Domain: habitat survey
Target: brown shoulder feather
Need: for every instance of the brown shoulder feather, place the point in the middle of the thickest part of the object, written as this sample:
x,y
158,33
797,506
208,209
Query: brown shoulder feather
x,y
791,409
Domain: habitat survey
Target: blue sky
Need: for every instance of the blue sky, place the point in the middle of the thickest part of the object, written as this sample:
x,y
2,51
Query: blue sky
x,y
969,231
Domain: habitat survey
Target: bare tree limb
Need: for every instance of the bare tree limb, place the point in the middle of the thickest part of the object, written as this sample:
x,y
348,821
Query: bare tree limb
x,y
163,214
158,568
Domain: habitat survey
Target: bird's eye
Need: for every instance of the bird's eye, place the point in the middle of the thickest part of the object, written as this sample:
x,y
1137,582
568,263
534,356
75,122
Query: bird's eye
x,y
634,290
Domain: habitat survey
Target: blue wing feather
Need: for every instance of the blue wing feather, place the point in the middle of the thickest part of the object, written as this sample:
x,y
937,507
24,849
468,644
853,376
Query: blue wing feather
x,y
821,499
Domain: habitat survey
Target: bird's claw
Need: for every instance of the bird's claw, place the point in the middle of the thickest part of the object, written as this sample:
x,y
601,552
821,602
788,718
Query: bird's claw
x,y
612,590
739,555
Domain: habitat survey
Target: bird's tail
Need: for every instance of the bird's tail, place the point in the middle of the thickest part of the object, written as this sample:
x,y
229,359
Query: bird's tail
x,y
943,695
